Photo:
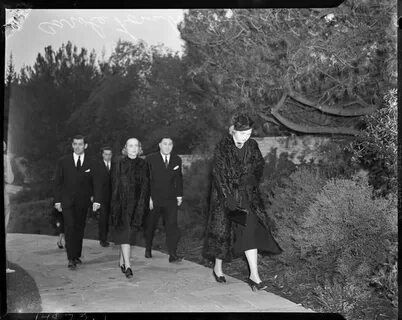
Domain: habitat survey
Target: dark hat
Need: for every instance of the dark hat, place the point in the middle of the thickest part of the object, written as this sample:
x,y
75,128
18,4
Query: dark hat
x,y
242,122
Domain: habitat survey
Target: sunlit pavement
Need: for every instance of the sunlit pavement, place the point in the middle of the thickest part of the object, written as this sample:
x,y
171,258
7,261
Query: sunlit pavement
x,y
98,285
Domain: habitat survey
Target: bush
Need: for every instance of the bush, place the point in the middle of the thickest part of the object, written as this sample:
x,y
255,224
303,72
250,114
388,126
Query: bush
x,y
275,169
346,238
345,231
337,159
345,299
291,198
385,277
376,145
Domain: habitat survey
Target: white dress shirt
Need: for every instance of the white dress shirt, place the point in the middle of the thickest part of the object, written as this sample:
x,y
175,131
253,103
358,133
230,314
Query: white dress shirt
x,y
164,157
76,158
107,164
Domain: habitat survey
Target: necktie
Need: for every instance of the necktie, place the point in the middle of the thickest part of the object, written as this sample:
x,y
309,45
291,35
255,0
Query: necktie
x,y
79,163
166,162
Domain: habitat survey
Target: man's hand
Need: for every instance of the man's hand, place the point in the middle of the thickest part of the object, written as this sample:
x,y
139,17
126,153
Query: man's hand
x,y
95,206
151,204
179,201
58,207
92,199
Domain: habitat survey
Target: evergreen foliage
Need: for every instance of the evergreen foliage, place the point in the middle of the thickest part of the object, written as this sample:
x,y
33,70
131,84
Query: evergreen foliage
x,y
376,146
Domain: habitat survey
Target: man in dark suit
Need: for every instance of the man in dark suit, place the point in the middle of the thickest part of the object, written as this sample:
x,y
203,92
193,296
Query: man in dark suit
x,y
75,182
166,196
104,172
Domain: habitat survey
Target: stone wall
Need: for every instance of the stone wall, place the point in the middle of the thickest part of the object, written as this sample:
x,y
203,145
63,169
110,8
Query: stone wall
x,y
295,147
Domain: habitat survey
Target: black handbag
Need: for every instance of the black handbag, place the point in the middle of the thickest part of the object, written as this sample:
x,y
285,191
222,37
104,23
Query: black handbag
x,y
238,215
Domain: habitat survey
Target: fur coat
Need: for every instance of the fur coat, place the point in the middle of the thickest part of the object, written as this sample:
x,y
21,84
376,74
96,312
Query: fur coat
x,y
228,173
130,191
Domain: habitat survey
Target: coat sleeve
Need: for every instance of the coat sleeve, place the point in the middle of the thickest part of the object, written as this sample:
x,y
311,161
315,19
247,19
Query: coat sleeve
x,y
114,199
219,174
58,182
179,180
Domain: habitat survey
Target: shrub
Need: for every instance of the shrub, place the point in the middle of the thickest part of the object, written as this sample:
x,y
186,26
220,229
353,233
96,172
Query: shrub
x,y
385,277
337,159
345,230
291,198
376,145
341,298
275,169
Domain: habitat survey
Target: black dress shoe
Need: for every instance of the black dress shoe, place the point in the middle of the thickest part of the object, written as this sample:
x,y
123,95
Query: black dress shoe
x,y
59,244
72,265
129,273
77,260
256,286
104,244
174,258
220,279
148,253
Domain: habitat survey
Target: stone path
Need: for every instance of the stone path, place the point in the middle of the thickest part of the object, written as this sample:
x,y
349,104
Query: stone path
x,y
98,285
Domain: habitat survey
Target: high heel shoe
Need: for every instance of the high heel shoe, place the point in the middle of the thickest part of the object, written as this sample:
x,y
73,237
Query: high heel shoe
x,y
60,245
123,268
256,286
129,273
220,279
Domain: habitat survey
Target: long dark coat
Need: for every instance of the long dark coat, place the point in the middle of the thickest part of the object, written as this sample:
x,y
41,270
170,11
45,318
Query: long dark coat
x,y
228,172
130,191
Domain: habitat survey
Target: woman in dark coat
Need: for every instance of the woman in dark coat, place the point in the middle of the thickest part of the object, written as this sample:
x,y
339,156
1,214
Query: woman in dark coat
x,y
130,197
237,170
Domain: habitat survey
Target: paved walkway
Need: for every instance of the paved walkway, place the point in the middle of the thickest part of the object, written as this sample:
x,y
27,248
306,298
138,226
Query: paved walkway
x,y
98,285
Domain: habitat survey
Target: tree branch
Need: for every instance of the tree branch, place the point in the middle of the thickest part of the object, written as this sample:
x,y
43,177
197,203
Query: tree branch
x,y
268,118
308,129
339,110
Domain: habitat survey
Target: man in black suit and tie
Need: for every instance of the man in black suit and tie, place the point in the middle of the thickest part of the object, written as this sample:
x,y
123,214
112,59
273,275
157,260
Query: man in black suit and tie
x,y
75,182
104,172
166,196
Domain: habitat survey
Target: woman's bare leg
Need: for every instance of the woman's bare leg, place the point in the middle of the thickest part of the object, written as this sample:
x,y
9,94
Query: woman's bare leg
x,y
126,252
218,267
252,256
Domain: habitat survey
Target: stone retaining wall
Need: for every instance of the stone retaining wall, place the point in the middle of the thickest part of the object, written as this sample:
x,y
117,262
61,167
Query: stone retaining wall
x,y
295,147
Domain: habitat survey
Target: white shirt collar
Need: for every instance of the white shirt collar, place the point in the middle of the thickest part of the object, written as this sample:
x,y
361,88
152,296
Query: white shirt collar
x,y
82,156
164,156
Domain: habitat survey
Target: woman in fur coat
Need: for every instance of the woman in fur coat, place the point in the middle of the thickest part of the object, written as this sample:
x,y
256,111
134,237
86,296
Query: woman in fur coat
x,y
130,198
237,170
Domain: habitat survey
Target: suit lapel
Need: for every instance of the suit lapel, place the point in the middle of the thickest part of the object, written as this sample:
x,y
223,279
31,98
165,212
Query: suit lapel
x,y
162,161
170,162
72,162
105,167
